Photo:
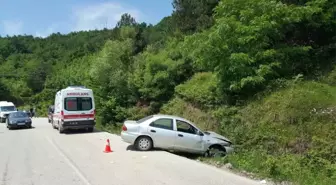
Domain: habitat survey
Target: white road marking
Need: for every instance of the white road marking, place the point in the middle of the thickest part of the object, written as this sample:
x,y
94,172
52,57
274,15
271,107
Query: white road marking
x,y
80,175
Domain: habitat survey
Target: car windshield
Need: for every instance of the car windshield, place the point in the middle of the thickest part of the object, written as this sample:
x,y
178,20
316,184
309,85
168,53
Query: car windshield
x,y
7,108
18,115
51,109
206,133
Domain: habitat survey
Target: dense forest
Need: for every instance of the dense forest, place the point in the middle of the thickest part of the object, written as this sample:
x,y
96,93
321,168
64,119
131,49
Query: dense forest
x,y
261,72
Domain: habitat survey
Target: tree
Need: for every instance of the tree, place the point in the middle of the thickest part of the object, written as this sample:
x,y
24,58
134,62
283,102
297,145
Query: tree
x,y
4,92
126,20
194,15
248,49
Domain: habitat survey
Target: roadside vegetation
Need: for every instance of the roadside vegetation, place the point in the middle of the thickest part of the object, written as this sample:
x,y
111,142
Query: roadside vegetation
x,y
261,72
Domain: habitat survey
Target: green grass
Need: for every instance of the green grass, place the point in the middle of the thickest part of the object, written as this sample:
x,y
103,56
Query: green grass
x,y
288,135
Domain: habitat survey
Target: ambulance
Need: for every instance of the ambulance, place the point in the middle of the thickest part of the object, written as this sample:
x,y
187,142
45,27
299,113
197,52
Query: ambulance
x,y
74,108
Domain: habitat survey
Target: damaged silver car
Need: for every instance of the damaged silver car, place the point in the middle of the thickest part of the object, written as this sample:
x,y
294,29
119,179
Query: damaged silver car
x,y
174,133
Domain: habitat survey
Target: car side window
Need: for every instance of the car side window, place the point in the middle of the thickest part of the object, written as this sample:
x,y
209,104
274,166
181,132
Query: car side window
x,y
185,127
163,123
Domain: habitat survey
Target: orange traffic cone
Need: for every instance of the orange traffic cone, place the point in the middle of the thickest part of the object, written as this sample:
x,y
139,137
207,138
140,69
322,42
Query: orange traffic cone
x,y
108,147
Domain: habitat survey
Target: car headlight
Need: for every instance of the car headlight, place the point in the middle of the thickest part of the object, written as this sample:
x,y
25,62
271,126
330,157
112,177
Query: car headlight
x,y
12,122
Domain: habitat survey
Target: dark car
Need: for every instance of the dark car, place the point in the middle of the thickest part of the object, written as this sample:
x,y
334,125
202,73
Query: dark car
x,y
27,112
50,113
18,119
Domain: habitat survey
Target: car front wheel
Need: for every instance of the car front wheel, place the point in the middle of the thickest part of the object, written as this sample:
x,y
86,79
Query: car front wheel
x,y
215,151
144,143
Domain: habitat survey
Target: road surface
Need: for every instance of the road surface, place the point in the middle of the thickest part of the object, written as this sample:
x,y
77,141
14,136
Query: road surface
x,y
42,156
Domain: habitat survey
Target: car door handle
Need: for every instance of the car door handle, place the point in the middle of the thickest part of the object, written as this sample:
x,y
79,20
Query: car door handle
x,y
152,130
180,135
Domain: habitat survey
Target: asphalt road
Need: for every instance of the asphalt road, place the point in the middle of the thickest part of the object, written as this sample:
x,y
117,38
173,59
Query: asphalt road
x,y
42,156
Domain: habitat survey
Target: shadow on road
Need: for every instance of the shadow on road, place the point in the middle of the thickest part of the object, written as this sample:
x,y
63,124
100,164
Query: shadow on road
x,y
80,131
182,154
186,155
22,128
132,148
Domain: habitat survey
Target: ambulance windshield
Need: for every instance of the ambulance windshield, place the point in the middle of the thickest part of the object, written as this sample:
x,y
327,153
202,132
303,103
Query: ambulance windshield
x,y
78,103
7,108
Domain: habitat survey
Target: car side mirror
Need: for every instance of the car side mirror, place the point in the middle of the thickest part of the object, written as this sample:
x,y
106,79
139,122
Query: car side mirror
x,y
200,133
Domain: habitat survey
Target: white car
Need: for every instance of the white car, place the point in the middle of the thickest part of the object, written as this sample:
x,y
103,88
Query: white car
x,y
5,109
173,133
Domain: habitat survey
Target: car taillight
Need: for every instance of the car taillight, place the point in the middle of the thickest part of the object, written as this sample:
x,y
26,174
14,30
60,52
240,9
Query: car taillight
x,y
124,128
62,115
94,114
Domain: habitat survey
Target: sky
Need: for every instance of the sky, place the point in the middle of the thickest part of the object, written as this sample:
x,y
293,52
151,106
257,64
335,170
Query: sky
x,y
40,18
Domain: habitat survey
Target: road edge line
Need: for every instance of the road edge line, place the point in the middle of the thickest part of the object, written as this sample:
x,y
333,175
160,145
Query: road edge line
x,y
79,173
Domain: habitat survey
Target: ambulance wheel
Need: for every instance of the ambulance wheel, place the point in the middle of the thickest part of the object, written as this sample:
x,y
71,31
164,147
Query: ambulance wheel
x,y
60,129
53,124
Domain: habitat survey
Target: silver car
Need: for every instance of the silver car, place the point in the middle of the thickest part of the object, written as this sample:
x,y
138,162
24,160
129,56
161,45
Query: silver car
x,y
173,133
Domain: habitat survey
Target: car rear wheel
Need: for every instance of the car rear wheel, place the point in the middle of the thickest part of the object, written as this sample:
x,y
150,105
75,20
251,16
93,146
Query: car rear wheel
x,y
144,143
90,129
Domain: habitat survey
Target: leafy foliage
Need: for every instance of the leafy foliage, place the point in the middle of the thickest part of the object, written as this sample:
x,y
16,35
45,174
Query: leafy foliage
x,y
226,65
191,16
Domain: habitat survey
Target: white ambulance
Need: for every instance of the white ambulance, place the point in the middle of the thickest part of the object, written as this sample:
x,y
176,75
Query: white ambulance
x,y
5,109
74,108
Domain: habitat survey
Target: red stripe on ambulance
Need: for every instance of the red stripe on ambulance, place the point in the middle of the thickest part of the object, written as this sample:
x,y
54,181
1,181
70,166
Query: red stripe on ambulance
x,y
78,116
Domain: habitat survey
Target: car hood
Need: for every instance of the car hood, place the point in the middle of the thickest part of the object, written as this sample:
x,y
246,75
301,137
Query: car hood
x,y
214,135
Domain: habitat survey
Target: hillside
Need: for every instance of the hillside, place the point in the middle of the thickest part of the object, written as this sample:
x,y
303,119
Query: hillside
x,y
261,72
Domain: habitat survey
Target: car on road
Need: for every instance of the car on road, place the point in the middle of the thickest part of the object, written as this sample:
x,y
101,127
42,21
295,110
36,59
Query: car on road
x,y
18,119
5,109
50,113
174,133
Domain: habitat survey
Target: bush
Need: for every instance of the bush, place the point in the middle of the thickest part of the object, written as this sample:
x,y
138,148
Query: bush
x,y
181,108
201,89
301,102
289,135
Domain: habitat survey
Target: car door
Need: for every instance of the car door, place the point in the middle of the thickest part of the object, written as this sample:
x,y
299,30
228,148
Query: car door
x,y
162,132
187,138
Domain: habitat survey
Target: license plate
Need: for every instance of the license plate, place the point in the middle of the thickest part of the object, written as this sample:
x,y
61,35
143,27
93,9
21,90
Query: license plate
x,y
73,123
23,123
